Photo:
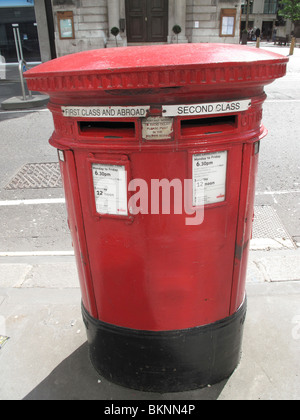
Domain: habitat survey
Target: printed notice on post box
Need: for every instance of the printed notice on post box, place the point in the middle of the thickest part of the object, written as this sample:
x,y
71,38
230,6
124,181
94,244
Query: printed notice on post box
x,y
157,128
209,178
110,186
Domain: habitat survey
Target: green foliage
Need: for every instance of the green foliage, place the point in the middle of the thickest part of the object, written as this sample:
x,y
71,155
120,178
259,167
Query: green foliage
x,y
176,29
290,9
115,31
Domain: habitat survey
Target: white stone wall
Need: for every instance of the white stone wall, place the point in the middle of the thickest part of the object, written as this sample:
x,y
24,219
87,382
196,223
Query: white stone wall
x,y
90,22
204,17
199,19
2,67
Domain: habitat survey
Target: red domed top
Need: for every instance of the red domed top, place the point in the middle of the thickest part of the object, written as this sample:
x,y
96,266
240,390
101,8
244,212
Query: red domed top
x,y
156,67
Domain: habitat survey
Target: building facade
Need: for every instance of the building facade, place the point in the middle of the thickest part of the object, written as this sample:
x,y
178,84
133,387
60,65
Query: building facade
x,y
86,24
264,15
53,28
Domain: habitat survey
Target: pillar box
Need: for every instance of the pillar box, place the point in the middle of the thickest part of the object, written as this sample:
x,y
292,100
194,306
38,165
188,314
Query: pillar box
x,y
158,149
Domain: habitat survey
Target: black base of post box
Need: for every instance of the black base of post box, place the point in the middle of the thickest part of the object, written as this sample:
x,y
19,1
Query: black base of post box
x,y
166,361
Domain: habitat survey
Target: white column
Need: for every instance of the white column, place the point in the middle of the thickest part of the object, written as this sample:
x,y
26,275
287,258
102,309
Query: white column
x,y
113,9
42,28
180,19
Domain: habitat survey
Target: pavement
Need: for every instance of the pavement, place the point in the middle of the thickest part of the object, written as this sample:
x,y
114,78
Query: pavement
x,y
46,357
9,75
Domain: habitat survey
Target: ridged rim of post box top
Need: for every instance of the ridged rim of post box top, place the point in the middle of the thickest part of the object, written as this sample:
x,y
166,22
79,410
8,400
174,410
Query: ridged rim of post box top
x,y
157,67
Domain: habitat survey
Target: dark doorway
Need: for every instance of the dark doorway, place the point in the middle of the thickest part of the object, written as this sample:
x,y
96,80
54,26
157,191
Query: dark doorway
x,y
266,30
147,20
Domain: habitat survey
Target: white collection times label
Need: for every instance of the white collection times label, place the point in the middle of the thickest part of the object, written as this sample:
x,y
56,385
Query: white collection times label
x,y
209,178
110,186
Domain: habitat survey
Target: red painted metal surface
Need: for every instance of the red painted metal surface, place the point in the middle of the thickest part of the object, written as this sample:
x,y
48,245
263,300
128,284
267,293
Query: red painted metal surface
x,y
152,271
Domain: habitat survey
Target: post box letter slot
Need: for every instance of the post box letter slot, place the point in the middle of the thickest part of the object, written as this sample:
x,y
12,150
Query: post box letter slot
x,y
107,129
212,125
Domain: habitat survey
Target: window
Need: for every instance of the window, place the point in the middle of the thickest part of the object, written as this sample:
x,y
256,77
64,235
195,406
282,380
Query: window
x,y
19,12
228,22
270,7
245,5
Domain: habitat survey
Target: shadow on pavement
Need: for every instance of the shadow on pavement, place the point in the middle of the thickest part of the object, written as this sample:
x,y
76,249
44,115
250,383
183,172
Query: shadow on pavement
x,y
76,379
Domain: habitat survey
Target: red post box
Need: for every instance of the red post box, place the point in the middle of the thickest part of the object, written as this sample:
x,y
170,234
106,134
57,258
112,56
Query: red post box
x,y
158,148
